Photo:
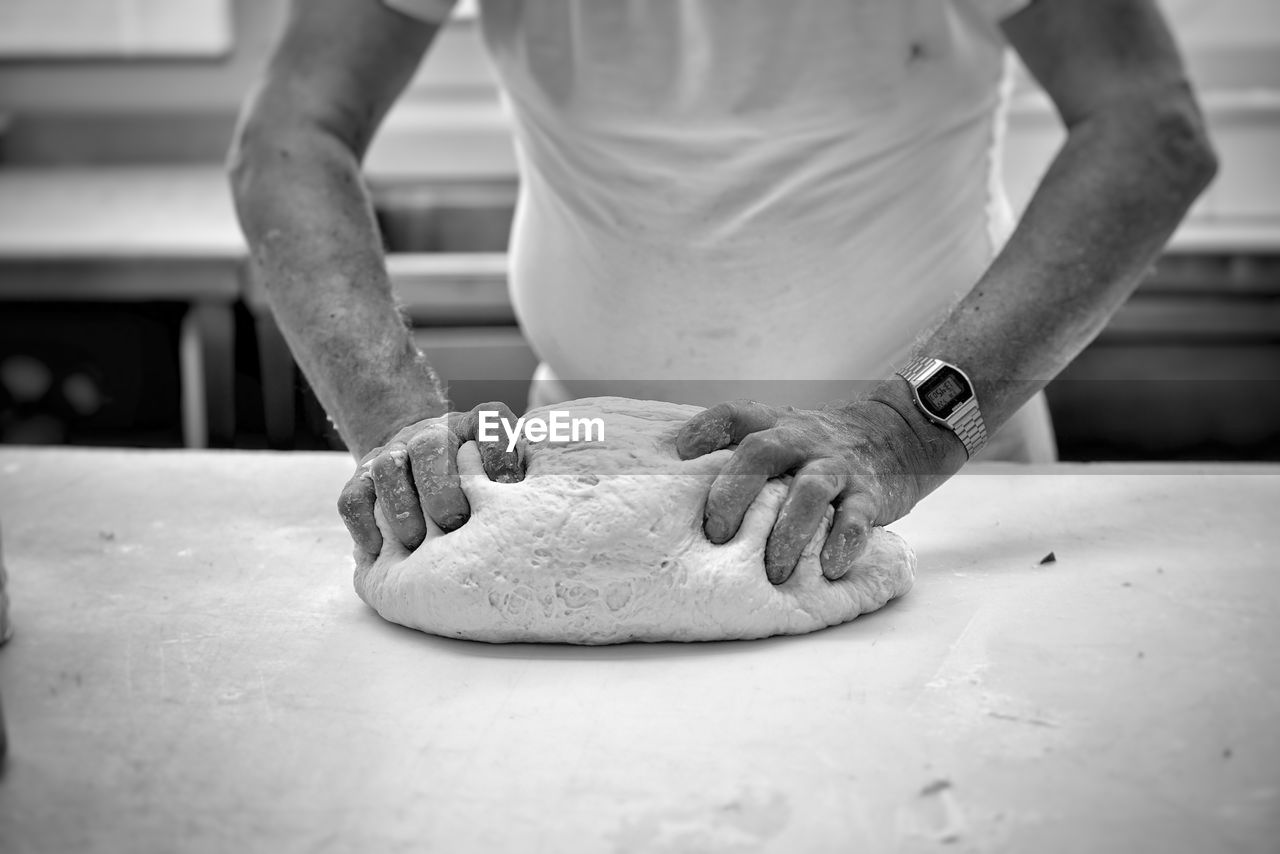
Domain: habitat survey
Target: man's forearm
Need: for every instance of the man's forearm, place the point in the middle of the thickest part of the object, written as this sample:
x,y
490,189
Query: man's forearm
x,y
315,246
1109,202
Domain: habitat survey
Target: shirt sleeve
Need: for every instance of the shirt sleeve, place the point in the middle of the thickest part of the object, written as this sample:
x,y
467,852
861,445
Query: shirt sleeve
x,y
433,11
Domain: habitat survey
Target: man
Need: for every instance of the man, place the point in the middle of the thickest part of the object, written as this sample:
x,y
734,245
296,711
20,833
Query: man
x,y
750,199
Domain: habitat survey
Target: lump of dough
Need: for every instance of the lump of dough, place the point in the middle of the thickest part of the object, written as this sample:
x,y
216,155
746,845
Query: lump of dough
x,y
602,543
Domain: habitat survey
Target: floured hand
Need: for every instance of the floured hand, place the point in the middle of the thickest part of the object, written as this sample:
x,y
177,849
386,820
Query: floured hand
x,y
413,479
861,459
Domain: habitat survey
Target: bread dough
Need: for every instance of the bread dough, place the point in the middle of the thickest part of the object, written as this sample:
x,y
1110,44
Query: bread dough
x,y
602,543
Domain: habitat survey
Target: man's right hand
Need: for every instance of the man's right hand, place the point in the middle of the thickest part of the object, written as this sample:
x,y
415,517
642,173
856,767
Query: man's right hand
x,y
414,478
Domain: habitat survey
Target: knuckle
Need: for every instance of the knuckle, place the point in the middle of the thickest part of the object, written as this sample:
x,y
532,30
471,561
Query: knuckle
x,y
832,482
718,416
762,444
461,424
790,434
428,443
755,412
491,406
429,434
353,506
354,491
386,463
821,478
420,445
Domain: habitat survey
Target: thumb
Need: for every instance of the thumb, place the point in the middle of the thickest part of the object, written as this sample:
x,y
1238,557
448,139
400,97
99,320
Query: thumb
x,y
475,481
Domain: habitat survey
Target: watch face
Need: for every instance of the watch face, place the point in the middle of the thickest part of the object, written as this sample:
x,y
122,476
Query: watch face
x,y
944,392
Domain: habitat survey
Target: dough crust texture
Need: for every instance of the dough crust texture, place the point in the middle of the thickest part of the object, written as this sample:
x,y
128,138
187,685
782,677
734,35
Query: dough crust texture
x,y
602,543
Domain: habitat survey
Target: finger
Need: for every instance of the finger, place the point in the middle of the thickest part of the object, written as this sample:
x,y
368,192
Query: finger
x,y
759,457
470,467
476,486
398,497
812,490
433,455
722,425
847,540
502,465
706,466
355,506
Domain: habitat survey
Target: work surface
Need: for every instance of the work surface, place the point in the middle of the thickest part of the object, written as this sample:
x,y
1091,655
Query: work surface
x,y
192,671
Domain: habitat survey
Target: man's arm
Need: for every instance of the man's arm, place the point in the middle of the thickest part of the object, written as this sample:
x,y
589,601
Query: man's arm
x,y
1135,158
304,207
305,210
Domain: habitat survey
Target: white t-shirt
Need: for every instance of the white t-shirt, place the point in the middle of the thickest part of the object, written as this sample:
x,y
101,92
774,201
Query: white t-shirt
x,y
745,198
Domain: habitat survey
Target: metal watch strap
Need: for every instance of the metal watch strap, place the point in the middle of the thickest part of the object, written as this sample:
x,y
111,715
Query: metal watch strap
x,y
970,428
966,422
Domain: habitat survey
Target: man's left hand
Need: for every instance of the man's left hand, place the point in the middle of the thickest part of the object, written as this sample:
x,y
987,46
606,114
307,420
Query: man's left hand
x,y
862,457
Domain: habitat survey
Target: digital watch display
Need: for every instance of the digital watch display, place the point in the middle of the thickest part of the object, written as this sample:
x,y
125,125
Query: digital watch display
x,y
944,392
946,397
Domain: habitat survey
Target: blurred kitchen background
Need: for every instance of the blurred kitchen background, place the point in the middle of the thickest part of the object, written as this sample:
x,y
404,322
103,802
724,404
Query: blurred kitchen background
x,y
127,316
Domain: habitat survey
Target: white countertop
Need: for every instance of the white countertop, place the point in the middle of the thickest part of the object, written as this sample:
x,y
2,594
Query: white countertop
x,y
192,671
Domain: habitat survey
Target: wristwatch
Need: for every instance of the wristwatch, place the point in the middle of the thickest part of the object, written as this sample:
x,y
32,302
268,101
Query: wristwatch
x,y
946,397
